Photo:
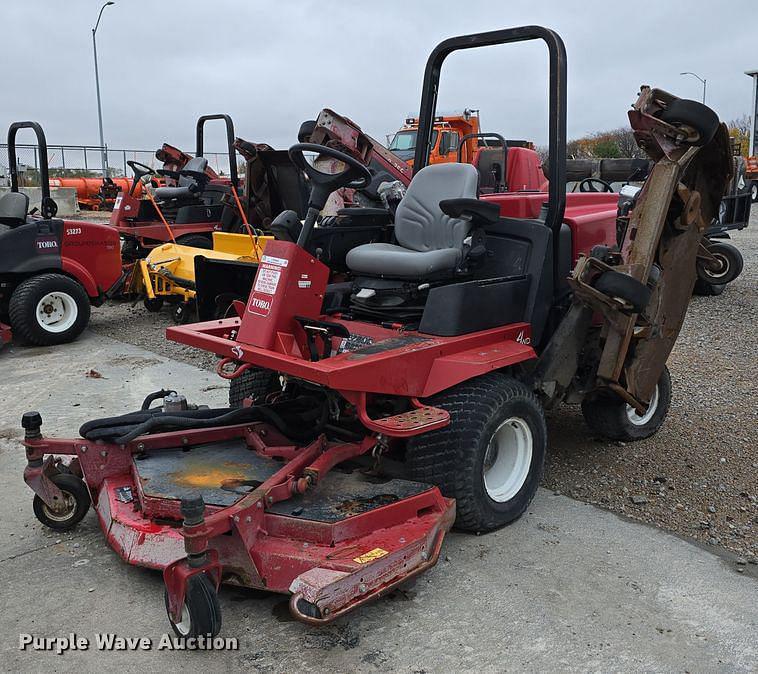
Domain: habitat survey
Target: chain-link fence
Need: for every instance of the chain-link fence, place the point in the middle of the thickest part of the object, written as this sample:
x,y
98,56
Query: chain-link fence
x,y
85,161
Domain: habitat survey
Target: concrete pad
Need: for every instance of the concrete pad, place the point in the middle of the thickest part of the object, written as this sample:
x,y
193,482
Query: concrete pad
x,y
567,587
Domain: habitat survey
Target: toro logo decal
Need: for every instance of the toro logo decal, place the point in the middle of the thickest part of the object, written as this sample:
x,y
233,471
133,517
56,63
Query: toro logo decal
x,y
260,304
47,244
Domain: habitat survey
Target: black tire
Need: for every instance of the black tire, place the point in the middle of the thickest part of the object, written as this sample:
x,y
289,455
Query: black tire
x,y
696,116
252,383
202,613
196,241
754,191
64,292
305,131
77,499
731,264
625,288
453,458
706,289
153,305
609,416
184,313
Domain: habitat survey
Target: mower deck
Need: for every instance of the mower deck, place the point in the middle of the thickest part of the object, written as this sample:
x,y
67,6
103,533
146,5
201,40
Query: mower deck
x,y
335,543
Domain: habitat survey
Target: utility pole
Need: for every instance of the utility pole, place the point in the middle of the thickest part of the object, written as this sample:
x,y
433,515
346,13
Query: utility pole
x,y
700,78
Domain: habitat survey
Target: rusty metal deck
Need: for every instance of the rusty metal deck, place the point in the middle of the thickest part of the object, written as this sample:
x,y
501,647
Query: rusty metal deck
x,y
224,472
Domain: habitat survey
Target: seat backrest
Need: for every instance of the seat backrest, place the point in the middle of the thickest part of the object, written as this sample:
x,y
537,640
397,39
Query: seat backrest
x,y
198,164
13,208
419,223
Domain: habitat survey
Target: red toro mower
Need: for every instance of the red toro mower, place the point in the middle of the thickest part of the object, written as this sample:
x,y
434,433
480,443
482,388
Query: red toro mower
x,y
198,203
380,412
51,270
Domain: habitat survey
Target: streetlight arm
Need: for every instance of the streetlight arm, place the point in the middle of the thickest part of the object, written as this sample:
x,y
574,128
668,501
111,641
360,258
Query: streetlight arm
x,y
97,23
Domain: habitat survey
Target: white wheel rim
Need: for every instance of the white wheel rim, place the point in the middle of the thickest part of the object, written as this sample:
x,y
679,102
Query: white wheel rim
x,y
185,624
508,459
754,192
56,312
723,269
641,419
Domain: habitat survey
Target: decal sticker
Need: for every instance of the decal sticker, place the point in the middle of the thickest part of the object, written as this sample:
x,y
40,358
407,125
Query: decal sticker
x,y
117,203
278,261
237,351
521,339
47,244
73,231
260,304
267,280
303,284
370,556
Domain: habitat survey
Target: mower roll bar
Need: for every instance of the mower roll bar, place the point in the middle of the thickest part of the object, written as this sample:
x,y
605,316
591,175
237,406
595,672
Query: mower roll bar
x,y
48,207
557,103
229,143
503,145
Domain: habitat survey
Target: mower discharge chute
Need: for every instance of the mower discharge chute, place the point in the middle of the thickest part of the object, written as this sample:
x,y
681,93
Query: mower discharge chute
x,y
377,411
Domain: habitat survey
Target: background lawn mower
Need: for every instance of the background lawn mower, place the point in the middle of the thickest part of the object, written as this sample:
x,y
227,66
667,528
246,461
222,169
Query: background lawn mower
x,y
441,354
51,270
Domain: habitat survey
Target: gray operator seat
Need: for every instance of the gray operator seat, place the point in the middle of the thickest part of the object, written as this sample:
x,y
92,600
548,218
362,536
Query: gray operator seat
x,y
428,241
183,191
13,209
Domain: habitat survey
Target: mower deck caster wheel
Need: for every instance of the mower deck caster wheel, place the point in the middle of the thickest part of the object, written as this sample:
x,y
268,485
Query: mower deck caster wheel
x,y
201,612
725,268
609,416
153,305
629,290
76,502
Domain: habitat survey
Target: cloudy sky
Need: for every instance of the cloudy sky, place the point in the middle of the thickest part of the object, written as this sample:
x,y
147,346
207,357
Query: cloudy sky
x,y
273,64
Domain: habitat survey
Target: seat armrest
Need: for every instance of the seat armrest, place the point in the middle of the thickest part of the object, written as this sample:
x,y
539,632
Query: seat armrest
x,y
481,213
363,217
168,173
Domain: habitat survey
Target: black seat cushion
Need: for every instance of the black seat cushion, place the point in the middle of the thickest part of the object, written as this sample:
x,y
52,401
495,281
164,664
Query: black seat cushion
x,y
13,209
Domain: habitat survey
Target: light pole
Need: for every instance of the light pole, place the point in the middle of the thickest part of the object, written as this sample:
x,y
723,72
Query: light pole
x,y
698,77
103,153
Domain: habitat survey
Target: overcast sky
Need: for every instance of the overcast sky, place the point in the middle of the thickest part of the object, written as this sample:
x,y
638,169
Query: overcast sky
x,y
273,64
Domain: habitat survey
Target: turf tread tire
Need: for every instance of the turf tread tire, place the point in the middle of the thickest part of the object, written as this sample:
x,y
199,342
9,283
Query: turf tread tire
x,y
78,489
451,457
252,383
22,309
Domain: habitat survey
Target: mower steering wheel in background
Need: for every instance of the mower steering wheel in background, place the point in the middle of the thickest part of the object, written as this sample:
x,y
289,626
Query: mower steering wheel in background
x,y
139,170
588,185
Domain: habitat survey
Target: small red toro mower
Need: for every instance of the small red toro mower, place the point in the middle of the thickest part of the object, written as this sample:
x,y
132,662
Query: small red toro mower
x,y
51,270
381,411
199,202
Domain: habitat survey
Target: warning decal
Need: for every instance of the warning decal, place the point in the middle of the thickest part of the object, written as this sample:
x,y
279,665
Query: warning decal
x,y
371,556
267,279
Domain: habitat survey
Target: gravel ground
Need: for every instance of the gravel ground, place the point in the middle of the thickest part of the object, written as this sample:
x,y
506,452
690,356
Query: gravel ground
x,y
698,477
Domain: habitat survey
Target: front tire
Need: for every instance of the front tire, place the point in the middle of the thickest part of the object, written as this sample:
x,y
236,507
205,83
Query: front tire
x,y
611,417
49,309
490,457
253,383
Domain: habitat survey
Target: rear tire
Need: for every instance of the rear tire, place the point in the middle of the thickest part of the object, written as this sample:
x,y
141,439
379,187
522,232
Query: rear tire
x,y
706,289
252,383
49,309
610,416
490,457
153,305
196,241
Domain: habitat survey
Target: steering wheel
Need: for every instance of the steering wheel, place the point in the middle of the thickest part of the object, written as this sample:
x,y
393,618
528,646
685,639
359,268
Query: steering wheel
x,y
587,185
356,176
139,168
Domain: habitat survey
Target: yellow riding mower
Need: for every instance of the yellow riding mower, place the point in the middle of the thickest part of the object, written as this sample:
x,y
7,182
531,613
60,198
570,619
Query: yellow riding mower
x,y
167,274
